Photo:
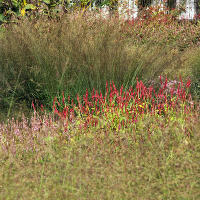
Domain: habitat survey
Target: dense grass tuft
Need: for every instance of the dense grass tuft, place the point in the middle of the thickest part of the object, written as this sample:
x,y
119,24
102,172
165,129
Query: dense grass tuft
x,y
40,58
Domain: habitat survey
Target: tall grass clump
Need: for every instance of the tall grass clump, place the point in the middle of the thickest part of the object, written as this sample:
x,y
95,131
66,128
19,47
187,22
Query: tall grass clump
x,y
39,58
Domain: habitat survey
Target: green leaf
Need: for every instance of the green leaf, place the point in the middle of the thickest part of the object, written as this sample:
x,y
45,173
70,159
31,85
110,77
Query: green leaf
x,y
10,12
56,10
15,3
47,1
29,6
2,18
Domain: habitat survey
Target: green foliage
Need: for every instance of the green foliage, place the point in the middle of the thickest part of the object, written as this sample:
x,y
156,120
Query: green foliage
x,y
12,9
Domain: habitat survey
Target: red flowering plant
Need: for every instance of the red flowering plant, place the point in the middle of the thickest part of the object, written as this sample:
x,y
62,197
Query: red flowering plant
x,y
141,112
119,109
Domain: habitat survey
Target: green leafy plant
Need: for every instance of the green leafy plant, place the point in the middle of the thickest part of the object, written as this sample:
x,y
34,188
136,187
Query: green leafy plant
x,y
14,8
19,8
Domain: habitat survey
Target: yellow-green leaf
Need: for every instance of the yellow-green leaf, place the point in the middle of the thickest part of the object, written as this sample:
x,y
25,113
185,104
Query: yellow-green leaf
x,y
29,6
23,12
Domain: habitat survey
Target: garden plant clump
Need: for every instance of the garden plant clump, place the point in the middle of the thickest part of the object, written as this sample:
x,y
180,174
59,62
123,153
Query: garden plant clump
x,y
120,109
93,109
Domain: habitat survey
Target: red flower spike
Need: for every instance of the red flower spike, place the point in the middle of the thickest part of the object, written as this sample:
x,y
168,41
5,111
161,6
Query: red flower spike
x,y
165,84
57,112
183,96
72,103
77,98
57,101
92,94
33,106
86,93
113,86
97,94
86,97
42,108
121,90
106,86
71,117
188,83
65,112
101,97
66,128
161,80
110,87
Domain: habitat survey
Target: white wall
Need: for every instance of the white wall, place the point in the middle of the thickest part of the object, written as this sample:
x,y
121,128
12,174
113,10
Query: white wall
x,y
128,9
123,9
190,9
133,9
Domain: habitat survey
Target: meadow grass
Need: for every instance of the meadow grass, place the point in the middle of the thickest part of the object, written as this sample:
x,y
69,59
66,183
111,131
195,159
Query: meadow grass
x,y
107,165
101,109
